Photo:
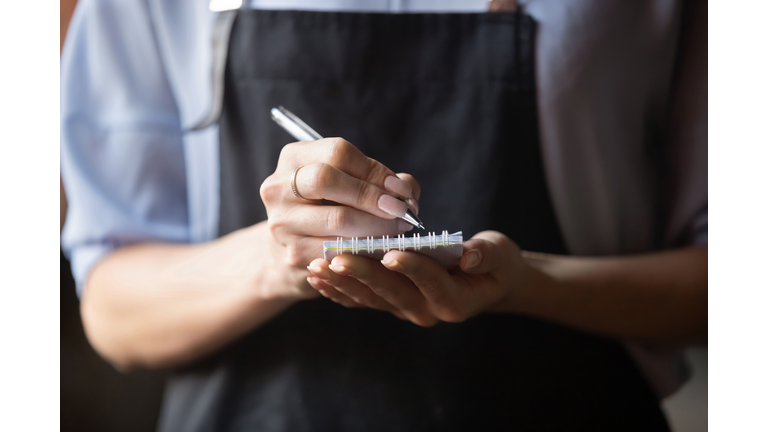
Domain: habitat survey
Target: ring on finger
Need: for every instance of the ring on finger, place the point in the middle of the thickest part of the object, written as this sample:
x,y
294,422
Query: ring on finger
x,y
293,182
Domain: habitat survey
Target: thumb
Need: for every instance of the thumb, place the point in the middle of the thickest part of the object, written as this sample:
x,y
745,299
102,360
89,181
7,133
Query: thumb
x,y
480,256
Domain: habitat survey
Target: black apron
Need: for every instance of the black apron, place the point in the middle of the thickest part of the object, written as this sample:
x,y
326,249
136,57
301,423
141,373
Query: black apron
x,y
449,98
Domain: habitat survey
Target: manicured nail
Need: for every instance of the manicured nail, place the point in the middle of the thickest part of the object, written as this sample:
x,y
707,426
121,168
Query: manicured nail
x,y
413,204
403,226
474,257
392,205
319,272
398,186
340,269
393,265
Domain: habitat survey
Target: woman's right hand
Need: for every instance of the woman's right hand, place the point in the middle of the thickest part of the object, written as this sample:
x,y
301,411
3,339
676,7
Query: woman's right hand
x,y
363,190
162,305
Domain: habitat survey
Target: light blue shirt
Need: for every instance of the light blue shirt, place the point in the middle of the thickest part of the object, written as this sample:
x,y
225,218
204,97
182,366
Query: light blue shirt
x,y
135,74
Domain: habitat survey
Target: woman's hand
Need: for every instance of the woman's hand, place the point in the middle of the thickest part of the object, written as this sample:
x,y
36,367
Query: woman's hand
x,y
416,288
658,298
332,169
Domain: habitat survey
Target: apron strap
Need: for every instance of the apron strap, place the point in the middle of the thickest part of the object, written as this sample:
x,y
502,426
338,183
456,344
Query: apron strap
x,y
222,28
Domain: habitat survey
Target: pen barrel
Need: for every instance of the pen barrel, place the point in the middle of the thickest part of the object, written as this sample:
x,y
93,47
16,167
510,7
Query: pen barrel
x,y
294,125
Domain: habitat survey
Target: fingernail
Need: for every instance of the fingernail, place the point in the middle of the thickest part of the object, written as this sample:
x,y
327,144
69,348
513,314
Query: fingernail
x,y
340,269
413,204
319,272
403,226
473,258
392,205
398,186
392,265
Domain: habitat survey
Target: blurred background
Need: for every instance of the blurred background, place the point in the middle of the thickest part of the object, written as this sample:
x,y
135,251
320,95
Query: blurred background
x,y
95,397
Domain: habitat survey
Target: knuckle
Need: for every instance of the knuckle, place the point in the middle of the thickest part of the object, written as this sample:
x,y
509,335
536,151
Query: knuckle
x,y
338,218
338,151
381,291
268,189
321,177
272,226
506,242
286,151
264,190
430,285
377,171
367,194
294,256
276,224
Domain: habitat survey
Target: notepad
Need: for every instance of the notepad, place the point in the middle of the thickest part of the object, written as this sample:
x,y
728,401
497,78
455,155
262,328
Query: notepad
x,y
444,248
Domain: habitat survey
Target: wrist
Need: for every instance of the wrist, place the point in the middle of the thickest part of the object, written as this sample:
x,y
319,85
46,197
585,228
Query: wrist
x,y
283,284
266,277
534,280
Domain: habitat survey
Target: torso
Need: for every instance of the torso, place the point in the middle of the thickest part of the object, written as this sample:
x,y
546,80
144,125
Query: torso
x,y
450,99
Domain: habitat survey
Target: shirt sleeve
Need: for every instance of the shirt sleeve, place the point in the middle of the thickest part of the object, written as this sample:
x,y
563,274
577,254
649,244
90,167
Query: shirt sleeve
x,y
122,159
685,181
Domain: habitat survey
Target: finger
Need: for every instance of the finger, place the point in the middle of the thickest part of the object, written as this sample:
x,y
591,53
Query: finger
x,y
485,252
394,288
333,221
478,257
323,181
334,151
411,180
413,202
299,251
432,280
348,286
331,293
344,156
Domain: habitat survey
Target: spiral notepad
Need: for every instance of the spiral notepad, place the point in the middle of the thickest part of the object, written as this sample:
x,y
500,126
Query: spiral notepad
x,y
445,248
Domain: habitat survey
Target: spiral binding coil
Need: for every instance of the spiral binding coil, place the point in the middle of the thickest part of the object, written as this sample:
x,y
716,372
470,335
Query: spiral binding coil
x,y
354,246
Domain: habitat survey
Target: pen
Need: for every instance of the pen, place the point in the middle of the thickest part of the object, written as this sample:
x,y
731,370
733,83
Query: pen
x,y
302,132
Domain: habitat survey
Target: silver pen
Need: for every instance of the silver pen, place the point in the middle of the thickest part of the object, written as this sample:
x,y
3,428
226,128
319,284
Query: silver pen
x,y
302,132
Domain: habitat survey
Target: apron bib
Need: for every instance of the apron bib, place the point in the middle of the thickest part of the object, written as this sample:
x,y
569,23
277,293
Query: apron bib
x,y
451,99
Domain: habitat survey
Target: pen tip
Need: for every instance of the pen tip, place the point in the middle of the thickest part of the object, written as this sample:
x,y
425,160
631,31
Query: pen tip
x,y
421,226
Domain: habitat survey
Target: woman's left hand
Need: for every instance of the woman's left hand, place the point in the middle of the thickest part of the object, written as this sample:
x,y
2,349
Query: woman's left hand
x,y
416,288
